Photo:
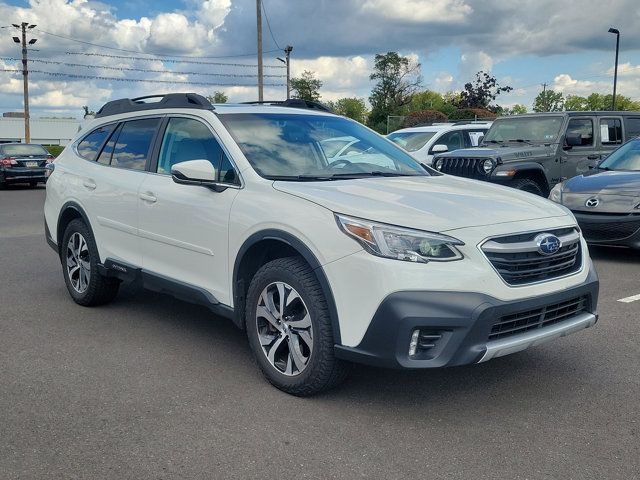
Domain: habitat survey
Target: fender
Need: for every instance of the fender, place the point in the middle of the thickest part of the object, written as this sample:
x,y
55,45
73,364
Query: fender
x,y
71,205
518,167
306,253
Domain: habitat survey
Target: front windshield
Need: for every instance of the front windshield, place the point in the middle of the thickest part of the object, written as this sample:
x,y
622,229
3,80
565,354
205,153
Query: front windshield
x,y
23,150
627,157
300,147
527,129
411,141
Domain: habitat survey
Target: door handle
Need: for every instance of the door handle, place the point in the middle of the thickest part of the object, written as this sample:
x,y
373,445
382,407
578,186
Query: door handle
x,y
89,184
148,197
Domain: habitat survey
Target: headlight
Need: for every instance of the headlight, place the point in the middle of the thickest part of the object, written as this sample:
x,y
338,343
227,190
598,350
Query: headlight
x,y
488,165
556,193
400,243
437,164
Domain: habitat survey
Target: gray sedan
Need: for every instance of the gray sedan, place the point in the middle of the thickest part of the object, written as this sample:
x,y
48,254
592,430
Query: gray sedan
x,y
606,200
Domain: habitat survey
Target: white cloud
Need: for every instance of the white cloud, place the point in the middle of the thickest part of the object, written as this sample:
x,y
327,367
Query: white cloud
x,y
338,73
418,11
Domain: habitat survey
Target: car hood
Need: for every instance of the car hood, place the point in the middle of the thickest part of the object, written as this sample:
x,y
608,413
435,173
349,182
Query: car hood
x,y
505,152
613,192
437,203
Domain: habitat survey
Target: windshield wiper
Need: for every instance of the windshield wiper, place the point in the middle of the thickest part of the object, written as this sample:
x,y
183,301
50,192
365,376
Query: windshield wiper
x,y
492,141
300,178
375,173
521,140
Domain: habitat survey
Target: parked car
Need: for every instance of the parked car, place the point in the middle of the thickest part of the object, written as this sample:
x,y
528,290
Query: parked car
x,y
322,262
23,163
426,141
606,200
534,152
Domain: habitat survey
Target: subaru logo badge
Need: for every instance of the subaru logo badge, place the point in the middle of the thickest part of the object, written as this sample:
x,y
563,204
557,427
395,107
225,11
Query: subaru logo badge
x,y
548,244
593,202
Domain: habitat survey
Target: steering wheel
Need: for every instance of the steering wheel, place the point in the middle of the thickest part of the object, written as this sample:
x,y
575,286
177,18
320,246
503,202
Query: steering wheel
x,y
338,162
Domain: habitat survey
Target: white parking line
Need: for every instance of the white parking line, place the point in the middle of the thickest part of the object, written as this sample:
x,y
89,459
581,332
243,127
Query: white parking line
x,y
630,299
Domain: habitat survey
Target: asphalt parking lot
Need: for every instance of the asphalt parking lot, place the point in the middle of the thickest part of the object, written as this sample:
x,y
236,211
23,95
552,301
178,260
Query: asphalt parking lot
x,y
151,387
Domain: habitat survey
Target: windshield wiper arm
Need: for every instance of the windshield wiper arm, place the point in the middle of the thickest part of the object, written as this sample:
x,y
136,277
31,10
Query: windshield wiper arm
x,y
375,173
521,140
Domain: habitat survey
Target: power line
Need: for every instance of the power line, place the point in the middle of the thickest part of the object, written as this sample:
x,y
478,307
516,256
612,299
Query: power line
x,y
266,17
136,80
97,45
168,60
146,70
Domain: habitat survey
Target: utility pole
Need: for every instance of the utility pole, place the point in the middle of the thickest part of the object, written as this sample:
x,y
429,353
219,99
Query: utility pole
x,y
24,26
544,97
260,73
287,62
616,32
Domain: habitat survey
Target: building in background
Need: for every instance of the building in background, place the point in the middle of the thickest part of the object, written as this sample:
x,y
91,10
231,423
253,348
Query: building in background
x,y
47,131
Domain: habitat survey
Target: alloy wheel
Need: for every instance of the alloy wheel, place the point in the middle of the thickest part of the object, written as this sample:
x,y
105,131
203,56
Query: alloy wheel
x,y
284,328
78,264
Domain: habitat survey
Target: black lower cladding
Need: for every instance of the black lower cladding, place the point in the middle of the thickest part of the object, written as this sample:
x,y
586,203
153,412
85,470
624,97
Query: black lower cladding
x,y
457,324
610,229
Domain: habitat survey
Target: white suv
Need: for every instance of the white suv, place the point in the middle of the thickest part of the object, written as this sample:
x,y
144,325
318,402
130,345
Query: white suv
x,y
369,258
426,141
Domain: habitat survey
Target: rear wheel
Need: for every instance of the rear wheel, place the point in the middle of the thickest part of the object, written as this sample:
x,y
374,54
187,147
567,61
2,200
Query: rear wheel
x,y
528,185
80,260
289,328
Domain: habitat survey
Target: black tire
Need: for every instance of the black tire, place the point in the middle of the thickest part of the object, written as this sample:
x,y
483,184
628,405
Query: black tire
x,y
99,289
528,185
323,370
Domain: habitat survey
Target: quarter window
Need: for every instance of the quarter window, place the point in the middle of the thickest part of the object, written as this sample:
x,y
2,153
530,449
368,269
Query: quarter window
x,y
133,144
610,131
453,140
583,127
90,145
187,139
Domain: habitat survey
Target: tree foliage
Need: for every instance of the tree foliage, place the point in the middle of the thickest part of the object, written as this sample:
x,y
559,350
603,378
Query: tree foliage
x,y
306,86
218,97
481,92
423,117
516,109
599,102
548,101
351,107
397,80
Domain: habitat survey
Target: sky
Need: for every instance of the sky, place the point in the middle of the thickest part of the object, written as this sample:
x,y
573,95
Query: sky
x,y
189,45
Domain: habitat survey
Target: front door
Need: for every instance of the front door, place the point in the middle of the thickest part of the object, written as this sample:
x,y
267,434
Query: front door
x,y
581,158
184,229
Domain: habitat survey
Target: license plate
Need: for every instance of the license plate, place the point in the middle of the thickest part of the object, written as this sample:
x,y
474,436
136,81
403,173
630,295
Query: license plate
x,y
31,164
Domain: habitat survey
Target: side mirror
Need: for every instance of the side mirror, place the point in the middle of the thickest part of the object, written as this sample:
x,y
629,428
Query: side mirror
x,y
573,140
194,172
439,148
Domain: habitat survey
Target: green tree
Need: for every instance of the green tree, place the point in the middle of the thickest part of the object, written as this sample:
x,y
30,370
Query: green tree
x,y
548,101
218,97
306,86
575,103
351,107
397,80
426,100
517,109
598,102
481,92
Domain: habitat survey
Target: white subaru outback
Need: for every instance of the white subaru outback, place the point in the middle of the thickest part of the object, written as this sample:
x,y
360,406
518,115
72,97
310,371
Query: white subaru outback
x,y
369,258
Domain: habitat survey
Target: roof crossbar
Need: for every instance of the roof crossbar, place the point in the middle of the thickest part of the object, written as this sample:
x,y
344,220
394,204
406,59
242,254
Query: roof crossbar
x,y
169,100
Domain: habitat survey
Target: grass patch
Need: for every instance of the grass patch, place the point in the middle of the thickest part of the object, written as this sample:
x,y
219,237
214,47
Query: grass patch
x,y
54,150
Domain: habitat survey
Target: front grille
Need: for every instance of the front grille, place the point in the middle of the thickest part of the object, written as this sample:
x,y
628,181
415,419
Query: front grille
x,y
463,167
520,322
610,231
517,259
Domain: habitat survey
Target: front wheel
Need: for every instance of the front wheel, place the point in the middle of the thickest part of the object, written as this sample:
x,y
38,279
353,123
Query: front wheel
x,y
528,185
289,328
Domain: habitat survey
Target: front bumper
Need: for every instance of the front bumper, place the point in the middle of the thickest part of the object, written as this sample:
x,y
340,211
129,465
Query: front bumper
x,y
621,229
464,321
23,175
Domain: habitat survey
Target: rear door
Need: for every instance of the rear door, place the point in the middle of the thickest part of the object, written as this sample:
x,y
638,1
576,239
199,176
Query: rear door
x,y
610,134
110,187
579,159
184,229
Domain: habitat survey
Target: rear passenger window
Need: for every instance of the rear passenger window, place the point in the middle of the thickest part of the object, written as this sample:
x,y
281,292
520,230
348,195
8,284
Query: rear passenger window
x,y
632,126
90,145
610,131
107,151
133,144
584,127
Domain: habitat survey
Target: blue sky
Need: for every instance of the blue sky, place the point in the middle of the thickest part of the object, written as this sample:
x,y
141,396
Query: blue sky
x,y
524,44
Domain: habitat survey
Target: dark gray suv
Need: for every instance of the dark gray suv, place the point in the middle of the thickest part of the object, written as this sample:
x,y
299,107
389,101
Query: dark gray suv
x,y
534,152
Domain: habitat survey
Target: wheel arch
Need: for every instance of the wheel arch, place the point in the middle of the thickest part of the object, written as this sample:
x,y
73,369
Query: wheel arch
x,y
267,245
69,212
529,170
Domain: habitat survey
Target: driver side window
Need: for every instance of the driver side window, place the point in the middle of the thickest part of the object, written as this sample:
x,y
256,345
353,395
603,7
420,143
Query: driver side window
x,y
453,140
188,139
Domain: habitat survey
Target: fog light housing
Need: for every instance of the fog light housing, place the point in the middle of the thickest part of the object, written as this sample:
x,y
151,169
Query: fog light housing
x,y
413,344
425,343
